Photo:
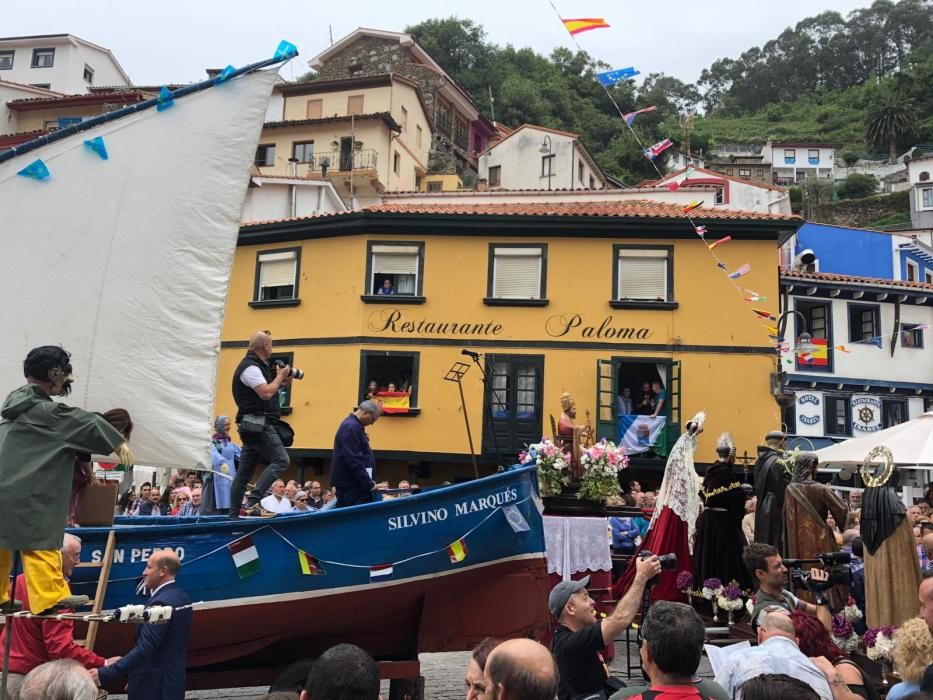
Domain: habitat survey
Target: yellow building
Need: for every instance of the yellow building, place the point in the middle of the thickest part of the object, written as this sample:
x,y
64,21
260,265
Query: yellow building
x,y
585,297
368,134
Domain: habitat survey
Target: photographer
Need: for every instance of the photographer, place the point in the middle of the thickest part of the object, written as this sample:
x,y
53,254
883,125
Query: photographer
x,y
256,386
765,564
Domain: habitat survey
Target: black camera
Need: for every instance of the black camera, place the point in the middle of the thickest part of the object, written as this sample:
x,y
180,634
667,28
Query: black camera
x,y
668,561
293,372
836,564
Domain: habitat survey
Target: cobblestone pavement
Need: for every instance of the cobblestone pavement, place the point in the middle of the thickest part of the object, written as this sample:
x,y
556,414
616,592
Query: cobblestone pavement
x,y
443,677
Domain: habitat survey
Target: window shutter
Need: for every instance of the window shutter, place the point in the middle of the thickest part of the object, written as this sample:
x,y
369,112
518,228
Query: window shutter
x,y
643,275
517,273
395,259
277,269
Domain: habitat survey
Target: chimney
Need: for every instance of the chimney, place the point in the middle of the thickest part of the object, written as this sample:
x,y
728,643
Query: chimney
x,y
481,185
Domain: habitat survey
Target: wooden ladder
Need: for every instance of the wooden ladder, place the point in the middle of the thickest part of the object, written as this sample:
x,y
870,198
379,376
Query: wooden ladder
x,y
105,564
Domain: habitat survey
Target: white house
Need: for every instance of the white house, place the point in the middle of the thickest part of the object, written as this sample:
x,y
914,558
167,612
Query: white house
x,y
793,162
277,197
62,62
539,158
920,179
16,91
870,366
730,192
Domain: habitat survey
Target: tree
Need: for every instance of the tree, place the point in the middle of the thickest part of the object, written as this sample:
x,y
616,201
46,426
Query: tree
x,y
857,185
891,121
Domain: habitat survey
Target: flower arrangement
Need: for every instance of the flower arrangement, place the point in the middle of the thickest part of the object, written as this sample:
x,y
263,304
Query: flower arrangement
x,y
712,588
851,611
601,463
750,604
730,597
879,643
843,634
685,582
788,459
553,466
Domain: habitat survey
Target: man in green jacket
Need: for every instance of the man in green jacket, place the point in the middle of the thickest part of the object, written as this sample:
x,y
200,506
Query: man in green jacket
x,y
38,441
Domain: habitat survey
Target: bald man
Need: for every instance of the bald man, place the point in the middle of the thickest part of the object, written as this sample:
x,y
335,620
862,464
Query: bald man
x,y
777,652
520,669
256,385
155,667
926,601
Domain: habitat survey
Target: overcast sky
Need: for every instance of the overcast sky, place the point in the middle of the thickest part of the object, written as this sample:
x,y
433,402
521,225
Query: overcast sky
x,y
173,41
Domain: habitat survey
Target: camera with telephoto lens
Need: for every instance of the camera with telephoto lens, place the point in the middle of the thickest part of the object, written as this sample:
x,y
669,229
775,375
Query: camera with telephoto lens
x,y
668,562
293,372
836,564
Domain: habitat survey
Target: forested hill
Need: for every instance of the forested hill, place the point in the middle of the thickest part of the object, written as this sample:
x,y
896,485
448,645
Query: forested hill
x,y
826,79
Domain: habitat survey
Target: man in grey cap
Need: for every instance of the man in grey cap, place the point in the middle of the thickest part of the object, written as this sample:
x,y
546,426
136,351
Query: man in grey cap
x,y
770,483
580,636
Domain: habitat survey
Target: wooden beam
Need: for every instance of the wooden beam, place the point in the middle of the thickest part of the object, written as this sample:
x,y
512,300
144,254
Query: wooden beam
x,y
811,291
101,589
834,293
902,298
858,295
881,297
920,300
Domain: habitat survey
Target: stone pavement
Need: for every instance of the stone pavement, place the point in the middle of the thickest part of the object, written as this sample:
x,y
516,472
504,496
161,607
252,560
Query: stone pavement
x,y
443,674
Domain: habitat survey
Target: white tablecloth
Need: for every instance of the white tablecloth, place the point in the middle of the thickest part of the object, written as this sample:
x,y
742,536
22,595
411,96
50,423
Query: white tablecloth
x,y
576,544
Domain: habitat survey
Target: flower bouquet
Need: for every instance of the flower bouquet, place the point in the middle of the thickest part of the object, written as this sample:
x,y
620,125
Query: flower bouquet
x,y
601,464
879,643
851,611
843,634
712,587
730,599
750,604
553,466
685,584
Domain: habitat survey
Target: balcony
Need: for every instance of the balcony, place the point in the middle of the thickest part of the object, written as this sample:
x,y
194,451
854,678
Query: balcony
x,y
340,162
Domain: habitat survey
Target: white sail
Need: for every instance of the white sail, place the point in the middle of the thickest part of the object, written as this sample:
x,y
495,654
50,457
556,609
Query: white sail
x,y
125,262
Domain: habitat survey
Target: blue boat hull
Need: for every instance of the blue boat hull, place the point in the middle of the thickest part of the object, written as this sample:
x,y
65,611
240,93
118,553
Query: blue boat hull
x,y
429,602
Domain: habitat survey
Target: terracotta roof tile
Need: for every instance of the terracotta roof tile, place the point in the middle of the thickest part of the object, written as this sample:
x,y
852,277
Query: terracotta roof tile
x,y
850,279
384,116
722,176
31,103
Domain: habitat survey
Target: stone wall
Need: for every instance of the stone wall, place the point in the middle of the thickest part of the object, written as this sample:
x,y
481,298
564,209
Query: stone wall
x,y
861,212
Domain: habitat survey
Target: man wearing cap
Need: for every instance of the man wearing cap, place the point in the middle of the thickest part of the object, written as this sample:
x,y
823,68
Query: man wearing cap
x,y
580,636
770,483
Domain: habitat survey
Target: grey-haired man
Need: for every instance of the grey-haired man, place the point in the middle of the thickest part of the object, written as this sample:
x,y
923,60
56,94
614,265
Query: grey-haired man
x,y
352,464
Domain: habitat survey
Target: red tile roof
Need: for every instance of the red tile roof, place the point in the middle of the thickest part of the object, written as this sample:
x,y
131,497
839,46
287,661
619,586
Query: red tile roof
x,y
722,176
850,279
638,209
9,140
33,103
384,116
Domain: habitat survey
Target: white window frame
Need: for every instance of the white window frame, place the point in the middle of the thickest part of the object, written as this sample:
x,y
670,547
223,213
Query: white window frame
x,y
392,262
517,272
912,266
273,269
639,256
922,195
88,74
7,55
40,53
498,182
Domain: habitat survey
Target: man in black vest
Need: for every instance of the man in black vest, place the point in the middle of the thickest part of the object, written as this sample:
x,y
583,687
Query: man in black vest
x,y
256,392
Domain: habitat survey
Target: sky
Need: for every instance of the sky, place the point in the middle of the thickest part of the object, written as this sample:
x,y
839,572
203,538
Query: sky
x,y
173,42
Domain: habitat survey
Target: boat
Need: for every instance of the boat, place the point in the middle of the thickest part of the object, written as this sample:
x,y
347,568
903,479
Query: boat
x,y
436,571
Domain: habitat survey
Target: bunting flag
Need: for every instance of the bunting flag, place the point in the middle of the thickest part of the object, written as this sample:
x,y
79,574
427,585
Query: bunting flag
x,y
842,348
245,557
722,266
756,298
693,205
224,75
673,186
309,565
657,149
165,100
764,314
285,50
577,26
380,572
701,231
716,244
611,77
630,117
97,145
740,271
772,330
515,518
457,551
688,173
37,170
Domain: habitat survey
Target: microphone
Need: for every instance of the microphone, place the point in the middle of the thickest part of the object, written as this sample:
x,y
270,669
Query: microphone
x,y
474,355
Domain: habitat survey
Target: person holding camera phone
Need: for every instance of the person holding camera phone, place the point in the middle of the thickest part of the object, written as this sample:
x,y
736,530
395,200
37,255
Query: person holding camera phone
x,y
256,384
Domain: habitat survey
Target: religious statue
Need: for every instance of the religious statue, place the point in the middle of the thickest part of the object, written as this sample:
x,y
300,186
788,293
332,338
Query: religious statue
x,y
770,483
572,437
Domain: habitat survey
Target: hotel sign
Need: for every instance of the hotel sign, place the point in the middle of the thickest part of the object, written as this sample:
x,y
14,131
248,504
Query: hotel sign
x,y
866,413
808,405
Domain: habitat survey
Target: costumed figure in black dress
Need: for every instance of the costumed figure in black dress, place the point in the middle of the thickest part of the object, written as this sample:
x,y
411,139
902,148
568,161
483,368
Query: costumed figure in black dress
x,y
719,538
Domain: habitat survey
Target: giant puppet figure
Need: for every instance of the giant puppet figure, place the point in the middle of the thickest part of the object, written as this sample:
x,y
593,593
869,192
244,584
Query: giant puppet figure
x,y
770,484
39,439
571,437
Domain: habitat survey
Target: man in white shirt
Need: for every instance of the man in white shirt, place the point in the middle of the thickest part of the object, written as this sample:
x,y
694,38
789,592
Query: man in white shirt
x,y
777,652
276,502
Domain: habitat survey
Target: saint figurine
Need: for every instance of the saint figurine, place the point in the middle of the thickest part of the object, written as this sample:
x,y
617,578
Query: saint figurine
x,y
571,437
770,484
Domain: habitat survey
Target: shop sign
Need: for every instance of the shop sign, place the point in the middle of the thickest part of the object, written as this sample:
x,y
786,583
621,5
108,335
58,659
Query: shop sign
x,y
809,410
395,322
577,326
866,413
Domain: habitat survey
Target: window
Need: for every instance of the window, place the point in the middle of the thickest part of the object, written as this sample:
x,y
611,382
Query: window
x,y
314,109
580,170
819,325
893,412
863,323
355,69
400,264
397,368
926,197
277,276
6,60
495,176
461,133
285,392
418,134
303,151
396,162
444,118
790,156
355,104
745,173
913,271
404,123
813,156
88,74
912,335
837,415
924,176
720,196
46,86
517,275
547,166
759,172
928,277
592,182
434,186
265,155
513,407
643,275
43,58
730,171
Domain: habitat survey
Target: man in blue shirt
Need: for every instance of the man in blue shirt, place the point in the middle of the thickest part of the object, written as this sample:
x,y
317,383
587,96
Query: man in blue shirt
x,y
352,463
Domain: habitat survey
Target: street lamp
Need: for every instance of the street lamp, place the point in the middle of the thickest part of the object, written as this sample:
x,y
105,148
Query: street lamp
x,y
546,151
805,340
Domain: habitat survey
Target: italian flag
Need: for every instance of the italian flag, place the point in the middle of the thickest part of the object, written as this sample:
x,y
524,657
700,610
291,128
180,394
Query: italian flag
x,y
245,556
457,551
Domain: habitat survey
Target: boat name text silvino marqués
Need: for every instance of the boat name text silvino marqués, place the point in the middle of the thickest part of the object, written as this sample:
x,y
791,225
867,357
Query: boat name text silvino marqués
x,y
426,517
137,554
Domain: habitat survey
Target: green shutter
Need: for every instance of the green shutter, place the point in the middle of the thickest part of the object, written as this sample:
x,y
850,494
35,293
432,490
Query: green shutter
x,y
607,375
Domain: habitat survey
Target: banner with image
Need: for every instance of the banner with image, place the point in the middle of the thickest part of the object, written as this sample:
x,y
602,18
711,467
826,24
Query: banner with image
x,y
638,433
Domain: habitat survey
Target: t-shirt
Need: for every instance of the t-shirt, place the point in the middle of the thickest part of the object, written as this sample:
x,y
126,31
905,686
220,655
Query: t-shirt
x,y
788,601
252,377
579,661
706,689
669,691
275,505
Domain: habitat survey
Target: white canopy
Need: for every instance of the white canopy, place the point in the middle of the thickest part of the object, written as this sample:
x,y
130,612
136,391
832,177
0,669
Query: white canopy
x,y
125,262
911,443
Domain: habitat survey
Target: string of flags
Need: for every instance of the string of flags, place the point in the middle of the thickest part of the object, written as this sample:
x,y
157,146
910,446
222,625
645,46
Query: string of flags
x,y
610,78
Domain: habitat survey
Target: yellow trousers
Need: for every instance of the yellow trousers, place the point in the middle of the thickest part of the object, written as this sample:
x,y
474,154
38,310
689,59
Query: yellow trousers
x,y
45,582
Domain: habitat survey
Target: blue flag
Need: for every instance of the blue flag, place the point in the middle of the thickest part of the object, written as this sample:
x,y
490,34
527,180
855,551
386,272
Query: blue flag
x,y
36,170
166,99
97,145
224,75
515,518
286,49
611,77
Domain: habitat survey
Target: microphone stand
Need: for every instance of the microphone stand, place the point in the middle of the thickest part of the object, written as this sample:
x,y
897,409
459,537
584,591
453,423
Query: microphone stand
x,y
487,401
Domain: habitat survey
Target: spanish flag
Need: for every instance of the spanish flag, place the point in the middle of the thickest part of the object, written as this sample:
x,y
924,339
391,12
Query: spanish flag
x,y
309,565
576,26
394,401
457,551
819,357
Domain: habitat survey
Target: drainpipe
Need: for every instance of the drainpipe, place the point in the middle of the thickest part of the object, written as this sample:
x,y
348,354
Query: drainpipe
x,y
293,172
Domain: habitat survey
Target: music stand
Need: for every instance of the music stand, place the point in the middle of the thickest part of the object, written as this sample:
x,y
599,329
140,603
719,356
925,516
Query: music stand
x,y
455,374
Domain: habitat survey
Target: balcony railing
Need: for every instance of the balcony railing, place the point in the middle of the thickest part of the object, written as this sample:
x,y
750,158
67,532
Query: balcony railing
x,y
337,161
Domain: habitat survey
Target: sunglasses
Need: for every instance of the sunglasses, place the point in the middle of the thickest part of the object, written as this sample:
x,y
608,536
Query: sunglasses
x,y
302,500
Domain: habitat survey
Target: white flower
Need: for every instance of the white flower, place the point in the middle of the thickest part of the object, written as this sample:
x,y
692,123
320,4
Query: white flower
x,y
852,613
749,606
710,593
885,647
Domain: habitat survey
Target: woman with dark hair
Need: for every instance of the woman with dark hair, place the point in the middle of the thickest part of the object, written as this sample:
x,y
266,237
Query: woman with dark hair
x,y
125,501
166,501
475,683
777,686
814,640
